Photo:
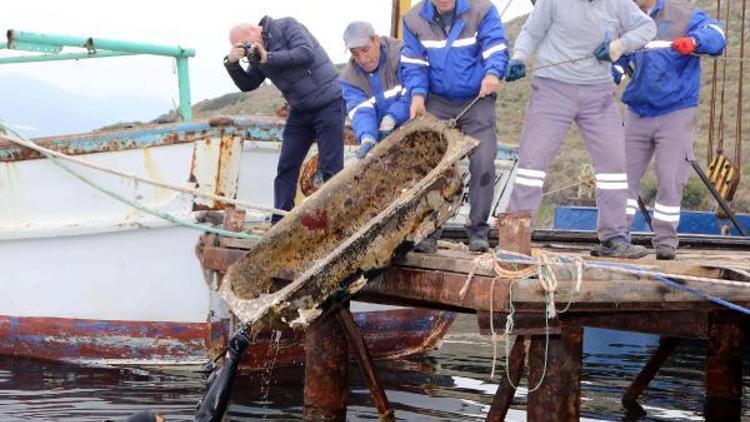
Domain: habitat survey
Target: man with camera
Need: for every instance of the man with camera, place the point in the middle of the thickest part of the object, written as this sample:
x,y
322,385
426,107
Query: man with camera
x,y
375,100
285,52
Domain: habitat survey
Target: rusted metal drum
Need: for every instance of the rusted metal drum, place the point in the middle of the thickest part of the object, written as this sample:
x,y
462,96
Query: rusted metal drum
x,y
361,219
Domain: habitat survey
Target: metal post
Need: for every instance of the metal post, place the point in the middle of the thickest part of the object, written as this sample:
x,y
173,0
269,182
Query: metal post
x,y
326,371
379,398
183,79
655,362
558,398
724,368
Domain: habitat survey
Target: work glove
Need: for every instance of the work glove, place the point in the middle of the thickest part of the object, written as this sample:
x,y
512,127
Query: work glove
x,y
684,45
387,125
516,70
610,51
367,143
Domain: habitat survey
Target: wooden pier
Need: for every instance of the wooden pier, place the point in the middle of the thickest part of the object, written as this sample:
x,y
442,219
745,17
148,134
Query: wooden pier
x,y
611,298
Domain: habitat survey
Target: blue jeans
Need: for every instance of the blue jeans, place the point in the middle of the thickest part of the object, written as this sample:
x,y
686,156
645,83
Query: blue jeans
x,y
302,129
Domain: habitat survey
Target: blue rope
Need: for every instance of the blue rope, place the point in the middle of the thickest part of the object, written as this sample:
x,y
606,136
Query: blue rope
x,y
519,259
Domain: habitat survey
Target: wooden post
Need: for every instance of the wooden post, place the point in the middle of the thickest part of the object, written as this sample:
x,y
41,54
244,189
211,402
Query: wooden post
x,y
724,367
655,362
351,330
326,371
559,396
506,390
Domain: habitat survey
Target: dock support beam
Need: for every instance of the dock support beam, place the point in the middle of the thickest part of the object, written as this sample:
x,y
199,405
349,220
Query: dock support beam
x,y
558,398
507,389
647,374
326,371
724,368
379,398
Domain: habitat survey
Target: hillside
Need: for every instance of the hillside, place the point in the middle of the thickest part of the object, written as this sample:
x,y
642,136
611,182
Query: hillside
x,y
512,104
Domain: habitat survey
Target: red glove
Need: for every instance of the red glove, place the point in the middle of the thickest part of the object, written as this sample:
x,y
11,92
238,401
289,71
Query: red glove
x,y
684,45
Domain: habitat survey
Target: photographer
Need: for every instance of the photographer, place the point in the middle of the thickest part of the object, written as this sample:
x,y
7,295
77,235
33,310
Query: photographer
x,y
284,51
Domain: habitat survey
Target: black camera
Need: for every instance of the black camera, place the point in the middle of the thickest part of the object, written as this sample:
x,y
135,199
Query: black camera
x,y
251,52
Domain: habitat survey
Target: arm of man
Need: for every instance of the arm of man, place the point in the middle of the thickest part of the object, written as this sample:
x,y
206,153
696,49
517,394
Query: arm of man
x,y
708,34
361,111
534,30
300,46
245,80
414,65
493,44
639,28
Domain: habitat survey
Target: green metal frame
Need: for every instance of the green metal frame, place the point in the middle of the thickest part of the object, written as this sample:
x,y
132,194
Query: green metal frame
x,y
52,45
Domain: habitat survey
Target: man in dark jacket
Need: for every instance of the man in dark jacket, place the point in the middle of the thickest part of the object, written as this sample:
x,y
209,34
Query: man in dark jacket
x,y
284,51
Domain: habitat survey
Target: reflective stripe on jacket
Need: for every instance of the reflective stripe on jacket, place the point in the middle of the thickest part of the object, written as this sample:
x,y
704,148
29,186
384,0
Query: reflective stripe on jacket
x,y
370,97
664,81
453,64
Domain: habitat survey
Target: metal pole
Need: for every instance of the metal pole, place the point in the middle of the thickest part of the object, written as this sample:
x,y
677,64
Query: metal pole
x,y
59,57
717,196
326,371
183,80
20,40
644,211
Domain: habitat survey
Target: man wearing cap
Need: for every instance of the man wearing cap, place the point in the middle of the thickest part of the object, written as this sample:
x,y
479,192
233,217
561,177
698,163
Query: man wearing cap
x,y
662,99
375,100
284,51
455,51
575,43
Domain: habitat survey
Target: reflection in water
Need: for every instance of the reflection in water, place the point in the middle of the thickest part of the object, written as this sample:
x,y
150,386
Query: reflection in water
x,y
450,384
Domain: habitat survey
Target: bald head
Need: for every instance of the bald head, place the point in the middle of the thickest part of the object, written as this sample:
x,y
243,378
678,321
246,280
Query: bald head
x,y
244,33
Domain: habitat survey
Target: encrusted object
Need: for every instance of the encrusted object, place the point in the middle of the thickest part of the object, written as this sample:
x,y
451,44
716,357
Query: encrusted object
x,y
371,212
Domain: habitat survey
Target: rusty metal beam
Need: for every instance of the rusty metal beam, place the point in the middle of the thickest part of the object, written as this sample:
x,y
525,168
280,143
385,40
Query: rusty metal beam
x,y
558,398
506,390
655,362
379,398
326,371
724,368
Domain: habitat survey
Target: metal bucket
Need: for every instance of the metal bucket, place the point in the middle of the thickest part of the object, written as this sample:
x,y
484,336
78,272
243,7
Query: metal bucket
x,y
354,226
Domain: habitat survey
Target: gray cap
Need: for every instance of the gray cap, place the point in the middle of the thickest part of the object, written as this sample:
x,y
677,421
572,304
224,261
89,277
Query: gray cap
x,y
358,34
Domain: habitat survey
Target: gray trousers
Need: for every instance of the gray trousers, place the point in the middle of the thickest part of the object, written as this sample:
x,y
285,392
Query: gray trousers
x,y
670,138
479,123
553,106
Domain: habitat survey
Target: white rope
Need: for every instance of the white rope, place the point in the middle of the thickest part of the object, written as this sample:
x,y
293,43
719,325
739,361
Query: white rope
x,y
18,139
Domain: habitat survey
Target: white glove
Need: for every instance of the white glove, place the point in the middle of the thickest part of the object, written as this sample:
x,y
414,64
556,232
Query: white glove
x,y
387,124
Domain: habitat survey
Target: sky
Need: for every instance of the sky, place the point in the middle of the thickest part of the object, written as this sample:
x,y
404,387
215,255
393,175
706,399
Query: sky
x,y
199,25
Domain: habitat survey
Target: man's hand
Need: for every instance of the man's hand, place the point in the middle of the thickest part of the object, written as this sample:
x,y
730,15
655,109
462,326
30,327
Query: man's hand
x,y
368,142
516,70
417,106
684,45
490,85
236,53
610,51
262,53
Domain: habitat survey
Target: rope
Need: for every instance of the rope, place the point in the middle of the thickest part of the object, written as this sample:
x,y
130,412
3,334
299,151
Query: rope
x,y
738,140
720,146
164,216
18,139
665,278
